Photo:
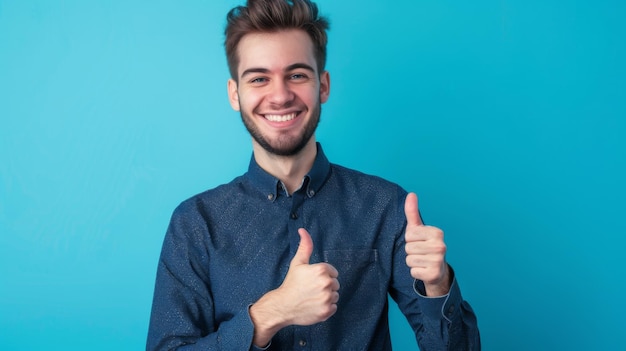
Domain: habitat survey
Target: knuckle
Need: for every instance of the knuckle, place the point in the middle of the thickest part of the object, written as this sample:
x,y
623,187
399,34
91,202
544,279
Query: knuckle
x,y
441,248
328,311
438,234
411,248
415,273
319,269
327,284
409,236
335,285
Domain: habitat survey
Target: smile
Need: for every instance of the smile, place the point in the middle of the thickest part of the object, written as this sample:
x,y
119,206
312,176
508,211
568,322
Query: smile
x,y
281,118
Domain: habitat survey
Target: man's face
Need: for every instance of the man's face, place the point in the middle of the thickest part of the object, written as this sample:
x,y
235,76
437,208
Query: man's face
x,y
280,92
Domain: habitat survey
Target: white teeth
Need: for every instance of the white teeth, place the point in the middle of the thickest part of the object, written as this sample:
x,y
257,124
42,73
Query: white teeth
x,y
280,118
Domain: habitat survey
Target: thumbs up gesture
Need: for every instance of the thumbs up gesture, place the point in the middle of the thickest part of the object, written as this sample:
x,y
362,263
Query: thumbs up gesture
x,y
308,295
425,251
310,290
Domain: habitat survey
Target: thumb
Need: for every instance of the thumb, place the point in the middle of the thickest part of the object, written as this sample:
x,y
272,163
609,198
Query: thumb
x,y
305,249
411,210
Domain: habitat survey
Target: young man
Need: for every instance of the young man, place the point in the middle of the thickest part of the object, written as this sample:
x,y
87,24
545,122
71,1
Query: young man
x,y
298,253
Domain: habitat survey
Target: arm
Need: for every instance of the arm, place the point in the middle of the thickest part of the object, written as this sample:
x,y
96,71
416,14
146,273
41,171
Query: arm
x,y
433,304
450,314
183,308
308,295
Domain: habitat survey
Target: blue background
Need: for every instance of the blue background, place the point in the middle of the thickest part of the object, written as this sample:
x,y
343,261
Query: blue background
x,y
506,117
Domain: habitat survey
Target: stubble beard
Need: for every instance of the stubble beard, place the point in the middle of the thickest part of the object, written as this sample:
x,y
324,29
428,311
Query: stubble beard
x,y
284,145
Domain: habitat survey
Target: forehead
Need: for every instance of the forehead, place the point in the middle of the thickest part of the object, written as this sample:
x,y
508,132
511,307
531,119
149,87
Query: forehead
x,y
275,51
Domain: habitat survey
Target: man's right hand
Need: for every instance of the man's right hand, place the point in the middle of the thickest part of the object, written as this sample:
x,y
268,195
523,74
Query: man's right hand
x,y
308,295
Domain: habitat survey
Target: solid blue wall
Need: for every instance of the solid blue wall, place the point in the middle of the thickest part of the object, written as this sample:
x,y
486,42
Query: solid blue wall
x,y
506,117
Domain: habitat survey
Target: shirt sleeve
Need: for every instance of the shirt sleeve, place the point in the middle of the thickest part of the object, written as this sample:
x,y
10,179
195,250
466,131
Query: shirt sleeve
x,y
182,307
449,313
439,323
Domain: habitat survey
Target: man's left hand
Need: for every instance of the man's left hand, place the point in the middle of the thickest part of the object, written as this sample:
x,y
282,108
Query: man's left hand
x,y
426,251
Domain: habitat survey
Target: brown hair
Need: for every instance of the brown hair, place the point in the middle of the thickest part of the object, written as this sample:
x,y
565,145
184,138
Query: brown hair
x,y
272,16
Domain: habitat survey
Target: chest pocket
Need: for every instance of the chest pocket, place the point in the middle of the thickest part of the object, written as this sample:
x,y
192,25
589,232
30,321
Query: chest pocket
x,y
359,278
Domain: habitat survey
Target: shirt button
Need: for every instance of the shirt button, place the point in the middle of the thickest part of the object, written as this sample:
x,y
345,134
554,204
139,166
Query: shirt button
x,y
294,215
270,197
302,343
311,193
450,310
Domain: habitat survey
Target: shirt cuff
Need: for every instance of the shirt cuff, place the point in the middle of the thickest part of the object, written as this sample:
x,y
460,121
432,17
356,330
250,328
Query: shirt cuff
x,y
445,306
254,347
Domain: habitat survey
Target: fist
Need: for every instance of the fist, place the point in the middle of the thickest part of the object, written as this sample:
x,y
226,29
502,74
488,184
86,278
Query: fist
x,y
309,292
425,251
308,295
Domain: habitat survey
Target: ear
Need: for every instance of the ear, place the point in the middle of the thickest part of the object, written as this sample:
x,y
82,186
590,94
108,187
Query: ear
x,y
233,95
324,86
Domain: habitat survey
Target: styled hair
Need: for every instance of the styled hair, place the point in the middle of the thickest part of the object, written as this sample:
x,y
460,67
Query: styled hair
x,y
267,16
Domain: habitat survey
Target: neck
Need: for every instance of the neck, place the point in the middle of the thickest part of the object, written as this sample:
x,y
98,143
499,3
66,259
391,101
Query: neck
x,y
289,169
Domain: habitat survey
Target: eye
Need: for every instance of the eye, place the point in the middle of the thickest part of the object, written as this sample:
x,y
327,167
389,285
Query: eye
x,y
298,76
258,80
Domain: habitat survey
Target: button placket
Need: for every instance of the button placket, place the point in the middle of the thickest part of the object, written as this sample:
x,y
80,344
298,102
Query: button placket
x,y
295,220
296,205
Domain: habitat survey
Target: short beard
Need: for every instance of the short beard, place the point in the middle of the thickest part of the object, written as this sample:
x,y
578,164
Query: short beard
x,y
284,147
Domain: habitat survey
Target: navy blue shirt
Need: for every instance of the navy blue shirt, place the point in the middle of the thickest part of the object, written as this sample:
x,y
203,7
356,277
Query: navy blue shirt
x,y
228,246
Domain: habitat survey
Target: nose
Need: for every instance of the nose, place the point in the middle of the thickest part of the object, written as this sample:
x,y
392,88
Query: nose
x,y
280,93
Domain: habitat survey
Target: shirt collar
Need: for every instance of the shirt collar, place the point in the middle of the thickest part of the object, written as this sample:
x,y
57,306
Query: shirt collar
x,y
271,186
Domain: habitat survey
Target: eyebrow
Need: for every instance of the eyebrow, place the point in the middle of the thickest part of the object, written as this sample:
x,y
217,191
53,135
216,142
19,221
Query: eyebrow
x,y
289,68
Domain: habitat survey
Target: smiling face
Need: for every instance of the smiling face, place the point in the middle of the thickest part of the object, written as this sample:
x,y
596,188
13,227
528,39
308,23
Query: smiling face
x,y
279,91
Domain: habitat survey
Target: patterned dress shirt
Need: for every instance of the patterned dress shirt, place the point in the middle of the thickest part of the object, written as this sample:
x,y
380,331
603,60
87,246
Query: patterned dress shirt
x,y
228,246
